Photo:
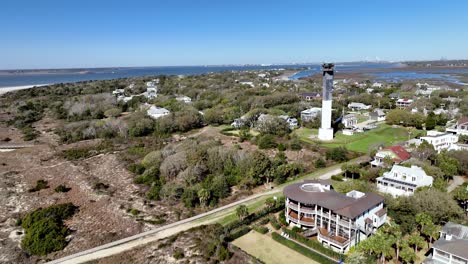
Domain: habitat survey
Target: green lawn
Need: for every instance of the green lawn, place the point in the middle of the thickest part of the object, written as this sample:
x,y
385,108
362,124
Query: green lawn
x,y
360,142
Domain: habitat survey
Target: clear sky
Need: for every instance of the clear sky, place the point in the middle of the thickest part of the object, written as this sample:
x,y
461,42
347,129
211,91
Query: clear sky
x,y
98,33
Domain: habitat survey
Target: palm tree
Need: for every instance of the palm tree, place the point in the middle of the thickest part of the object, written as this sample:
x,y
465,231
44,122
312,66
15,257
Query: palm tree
x,y
242,212
203,196
417,240
407,254
423,219
432,231
394,230
270,202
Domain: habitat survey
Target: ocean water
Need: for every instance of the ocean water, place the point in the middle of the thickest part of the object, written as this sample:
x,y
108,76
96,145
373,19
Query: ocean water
x,y
114,73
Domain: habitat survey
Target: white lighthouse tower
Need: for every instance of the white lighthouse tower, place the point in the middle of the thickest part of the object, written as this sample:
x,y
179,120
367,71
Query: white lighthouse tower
x,y
326,131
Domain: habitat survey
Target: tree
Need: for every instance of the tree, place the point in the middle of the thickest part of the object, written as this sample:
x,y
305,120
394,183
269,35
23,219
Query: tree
x,y
204,196
270,202
242,212
431,121
423,219
407,254
432,231
320,163
460,194
394,231
356,257
337,154
416,240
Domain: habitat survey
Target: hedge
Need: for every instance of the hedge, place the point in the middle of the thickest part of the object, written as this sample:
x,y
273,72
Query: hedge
x,y
238,233
274,223
260,229
301,249
312,244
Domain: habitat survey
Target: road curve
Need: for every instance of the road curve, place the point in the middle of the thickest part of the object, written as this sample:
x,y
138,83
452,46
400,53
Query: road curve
x,y
128,243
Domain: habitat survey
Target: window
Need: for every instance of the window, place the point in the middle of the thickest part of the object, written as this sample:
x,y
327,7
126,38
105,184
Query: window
x,y
414,178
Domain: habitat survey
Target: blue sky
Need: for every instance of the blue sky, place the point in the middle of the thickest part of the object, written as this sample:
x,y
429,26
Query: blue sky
x,y
57,34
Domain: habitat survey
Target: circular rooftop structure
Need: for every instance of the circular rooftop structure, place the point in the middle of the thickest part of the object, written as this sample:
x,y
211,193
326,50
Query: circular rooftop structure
x,y
311,187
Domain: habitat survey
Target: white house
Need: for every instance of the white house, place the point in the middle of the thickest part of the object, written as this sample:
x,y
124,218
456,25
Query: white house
x,y
340,221
118,92
124,99
184,99
403,180
377,115
157,112
251,84
311,113
358,106
349,120
461,128
292,122
440,140
403,103
151,92
377,85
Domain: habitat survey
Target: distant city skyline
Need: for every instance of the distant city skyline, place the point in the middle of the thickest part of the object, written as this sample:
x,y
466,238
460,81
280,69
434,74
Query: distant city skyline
x,y
87,34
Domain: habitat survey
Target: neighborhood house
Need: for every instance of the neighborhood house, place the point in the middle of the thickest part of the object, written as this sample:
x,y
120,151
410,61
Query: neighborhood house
x,y
403,180
395,154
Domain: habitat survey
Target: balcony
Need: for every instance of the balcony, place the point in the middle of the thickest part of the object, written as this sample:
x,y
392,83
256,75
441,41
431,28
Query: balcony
x,y
331,238
304,209
292,206
307,221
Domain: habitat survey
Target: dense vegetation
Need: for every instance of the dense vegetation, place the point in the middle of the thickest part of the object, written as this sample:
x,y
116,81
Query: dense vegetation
x,y
45,231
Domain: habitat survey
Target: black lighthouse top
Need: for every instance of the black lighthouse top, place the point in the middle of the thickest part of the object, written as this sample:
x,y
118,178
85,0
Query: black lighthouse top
x,y
328,68
328,72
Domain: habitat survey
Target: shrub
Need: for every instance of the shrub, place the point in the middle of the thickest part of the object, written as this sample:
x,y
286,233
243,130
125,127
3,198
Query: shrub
x,y
235,234
45,232
296,144
320,163
178,253
261,229
266,141
136,168
40,185
274,223
281,147
282,219
264,221
62,188
337,154
337,178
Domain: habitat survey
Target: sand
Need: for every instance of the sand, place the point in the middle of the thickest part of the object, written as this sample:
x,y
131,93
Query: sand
x,y
4,90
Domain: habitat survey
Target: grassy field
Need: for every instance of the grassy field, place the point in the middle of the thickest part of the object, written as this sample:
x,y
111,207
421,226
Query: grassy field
x,y
360,142
268,250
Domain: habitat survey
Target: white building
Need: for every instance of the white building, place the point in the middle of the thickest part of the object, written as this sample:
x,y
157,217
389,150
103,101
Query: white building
x,y
403,103
124,99
349,121
403,180
251,84
151,92
184,99
292,122
461,128
118,92
310,114
358,106
377,115
440,140
377,85
339,220
157,112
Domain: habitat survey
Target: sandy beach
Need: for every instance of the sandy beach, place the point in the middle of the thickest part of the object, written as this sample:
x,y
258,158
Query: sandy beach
x,y
4,90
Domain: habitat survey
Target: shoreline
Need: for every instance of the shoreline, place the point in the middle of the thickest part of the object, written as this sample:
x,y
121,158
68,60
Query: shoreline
x,y
4,90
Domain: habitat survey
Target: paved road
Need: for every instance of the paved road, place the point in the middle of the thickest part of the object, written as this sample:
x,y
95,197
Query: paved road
x,y
129,243
457,181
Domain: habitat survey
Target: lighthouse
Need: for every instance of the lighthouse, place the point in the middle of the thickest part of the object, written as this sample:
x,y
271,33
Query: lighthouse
x,y
326,131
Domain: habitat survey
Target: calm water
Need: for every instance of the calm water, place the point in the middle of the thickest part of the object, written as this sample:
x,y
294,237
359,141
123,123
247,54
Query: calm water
x,y
107,74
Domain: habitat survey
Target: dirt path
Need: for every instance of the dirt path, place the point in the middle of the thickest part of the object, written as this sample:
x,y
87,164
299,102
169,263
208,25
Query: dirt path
x,y
457,181
166,231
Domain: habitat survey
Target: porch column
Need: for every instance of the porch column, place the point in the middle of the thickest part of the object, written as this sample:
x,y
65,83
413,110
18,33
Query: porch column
x,y
315,216
299,213
337,224
329,220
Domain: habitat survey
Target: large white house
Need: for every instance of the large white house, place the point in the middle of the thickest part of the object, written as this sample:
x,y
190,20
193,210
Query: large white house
x,y
157,112
311,113
403,103
358,106
349,120
340,221
403,180
377,115
440,140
